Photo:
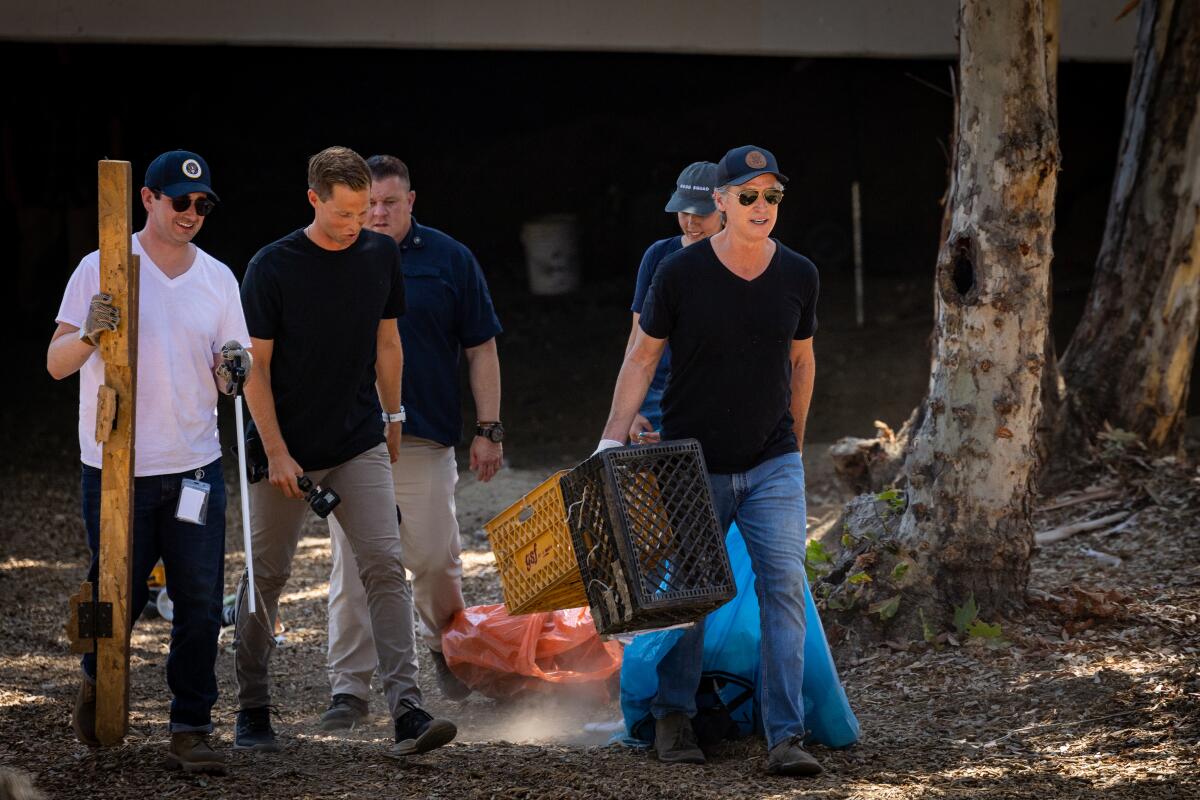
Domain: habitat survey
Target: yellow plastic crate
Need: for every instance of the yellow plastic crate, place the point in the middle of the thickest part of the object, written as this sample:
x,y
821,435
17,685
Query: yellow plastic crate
x,y
534,555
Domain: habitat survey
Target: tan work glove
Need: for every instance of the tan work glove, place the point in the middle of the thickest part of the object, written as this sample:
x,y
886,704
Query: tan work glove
x,y
102,316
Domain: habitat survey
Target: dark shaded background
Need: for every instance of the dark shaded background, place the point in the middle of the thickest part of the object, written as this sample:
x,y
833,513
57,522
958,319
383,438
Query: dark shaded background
x,y
495,139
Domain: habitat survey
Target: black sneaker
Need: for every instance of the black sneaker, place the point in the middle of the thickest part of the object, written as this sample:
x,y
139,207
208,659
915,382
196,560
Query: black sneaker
x,y
344,713
418,732
254,731
452,688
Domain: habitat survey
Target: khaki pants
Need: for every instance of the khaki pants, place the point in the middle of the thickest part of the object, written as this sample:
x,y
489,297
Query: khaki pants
x,y
424,479
367,518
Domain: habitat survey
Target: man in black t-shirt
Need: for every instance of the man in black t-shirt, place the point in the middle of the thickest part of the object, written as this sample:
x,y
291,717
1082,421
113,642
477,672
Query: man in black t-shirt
x,y
321,307
739,310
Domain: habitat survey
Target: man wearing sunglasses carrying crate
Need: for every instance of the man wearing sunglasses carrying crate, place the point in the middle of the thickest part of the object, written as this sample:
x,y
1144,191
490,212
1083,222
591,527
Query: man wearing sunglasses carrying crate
x,y
739,310
189,307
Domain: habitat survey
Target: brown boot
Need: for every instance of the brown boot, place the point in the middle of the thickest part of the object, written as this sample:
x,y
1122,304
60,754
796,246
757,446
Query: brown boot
x,y
790,758
83,719
191,752
675,741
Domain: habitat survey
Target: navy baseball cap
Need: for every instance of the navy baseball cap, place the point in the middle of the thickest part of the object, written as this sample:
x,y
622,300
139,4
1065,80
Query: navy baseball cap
x,y
180,172
746,163
694,190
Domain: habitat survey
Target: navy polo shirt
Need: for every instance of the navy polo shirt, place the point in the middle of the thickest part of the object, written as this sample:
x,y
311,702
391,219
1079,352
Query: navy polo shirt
x,y
448,308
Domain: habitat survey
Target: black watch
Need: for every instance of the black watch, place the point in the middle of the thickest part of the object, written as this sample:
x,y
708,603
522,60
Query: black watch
x,y
493,431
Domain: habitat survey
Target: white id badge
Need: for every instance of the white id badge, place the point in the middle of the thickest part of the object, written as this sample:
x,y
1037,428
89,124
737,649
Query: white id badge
x,y
193,501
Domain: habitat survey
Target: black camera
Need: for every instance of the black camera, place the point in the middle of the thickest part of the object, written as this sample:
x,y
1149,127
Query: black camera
x,y
321,501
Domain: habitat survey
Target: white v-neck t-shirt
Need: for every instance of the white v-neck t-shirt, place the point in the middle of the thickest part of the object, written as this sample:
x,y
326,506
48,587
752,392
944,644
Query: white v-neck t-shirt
x,y
182,324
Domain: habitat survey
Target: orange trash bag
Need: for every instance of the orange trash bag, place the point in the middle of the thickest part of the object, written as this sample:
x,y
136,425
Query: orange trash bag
x,y
503,656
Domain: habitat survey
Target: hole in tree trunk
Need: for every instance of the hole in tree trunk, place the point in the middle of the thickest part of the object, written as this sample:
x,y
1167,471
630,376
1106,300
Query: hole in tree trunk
x,y
963,274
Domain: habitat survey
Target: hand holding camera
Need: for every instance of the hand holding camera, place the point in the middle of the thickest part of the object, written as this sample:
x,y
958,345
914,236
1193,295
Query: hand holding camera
x,y
321,500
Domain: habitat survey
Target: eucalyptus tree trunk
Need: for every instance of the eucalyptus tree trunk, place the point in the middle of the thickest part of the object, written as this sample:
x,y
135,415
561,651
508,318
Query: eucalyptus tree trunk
x,y
1130,359
972,460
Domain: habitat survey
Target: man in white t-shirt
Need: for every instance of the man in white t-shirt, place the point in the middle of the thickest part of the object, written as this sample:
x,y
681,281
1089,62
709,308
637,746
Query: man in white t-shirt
x,y
189,306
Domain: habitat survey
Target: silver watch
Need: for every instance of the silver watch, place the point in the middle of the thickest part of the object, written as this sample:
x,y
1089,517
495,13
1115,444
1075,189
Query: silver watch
x,y
399,416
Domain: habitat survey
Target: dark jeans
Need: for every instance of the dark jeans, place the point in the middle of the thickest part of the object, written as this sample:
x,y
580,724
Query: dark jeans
x,y
194,558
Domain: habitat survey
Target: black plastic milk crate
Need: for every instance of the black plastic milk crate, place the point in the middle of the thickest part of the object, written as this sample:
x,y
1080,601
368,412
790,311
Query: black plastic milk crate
x,y
650,550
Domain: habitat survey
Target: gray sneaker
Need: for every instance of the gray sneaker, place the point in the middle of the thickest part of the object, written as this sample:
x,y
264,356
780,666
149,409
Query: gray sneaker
x,y
191,752
675,741
790,758
345,713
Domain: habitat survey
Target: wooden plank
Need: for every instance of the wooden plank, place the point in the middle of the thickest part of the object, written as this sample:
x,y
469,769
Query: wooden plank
x,y
118,278
79,645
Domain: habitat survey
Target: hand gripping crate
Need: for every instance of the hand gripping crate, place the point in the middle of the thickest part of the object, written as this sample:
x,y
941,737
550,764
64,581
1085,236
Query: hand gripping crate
x,y
532,544
646,536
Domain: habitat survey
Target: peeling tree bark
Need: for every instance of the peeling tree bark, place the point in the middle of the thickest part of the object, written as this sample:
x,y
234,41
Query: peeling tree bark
x,y
1130,359
971,463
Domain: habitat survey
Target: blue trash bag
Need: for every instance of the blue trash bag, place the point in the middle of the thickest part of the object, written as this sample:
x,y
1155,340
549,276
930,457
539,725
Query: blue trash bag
x,y
731,667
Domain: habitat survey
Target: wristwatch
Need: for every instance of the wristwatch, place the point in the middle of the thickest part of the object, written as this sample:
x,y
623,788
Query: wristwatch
x,y
493,431
399,416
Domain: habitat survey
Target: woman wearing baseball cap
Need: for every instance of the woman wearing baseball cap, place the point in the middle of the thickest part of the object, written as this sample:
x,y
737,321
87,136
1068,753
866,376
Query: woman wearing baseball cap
x,y
696,211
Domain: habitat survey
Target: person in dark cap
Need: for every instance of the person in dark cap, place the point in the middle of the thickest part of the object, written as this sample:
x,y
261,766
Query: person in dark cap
x,y
188,307
739,311
696,212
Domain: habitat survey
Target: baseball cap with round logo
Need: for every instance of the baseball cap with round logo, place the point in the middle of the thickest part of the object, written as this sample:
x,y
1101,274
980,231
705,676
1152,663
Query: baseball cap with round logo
x,y
180,172
745,163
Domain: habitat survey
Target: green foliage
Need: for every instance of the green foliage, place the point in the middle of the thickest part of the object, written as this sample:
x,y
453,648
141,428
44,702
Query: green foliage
x,y
965,614
859,577
967,621
927,630
816,553
894,499
886,609
847,541
900,570
984,630
817,561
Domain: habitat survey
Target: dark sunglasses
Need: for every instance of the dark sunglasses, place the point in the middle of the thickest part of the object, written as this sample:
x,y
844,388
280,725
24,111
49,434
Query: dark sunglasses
x,y
747,197
204,205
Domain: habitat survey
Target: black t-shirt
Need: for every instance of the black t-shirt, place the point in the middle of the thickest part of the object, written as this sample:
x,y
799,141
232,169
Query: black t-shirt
x,y
731,369
321,309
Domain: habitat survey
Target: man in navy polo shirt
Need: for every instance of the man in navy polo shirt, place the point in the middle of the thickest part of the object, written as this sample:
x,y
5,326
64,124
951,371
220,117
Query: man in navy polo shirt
x,y
449,311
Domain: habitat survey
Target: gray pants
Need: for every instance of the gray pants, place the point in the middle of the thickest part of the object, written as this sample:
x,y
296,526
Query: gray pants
x,y
367,514
424,476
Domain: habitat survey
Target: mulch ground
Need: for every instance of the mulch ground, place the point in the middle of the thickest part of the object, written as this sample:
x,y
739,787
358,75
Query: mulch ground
x,y
1094,692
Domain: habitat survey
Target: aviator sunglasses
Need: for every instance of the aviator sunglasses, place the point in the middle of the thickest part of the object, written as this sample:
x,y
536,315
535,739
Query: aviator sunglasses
x,y
182,203
749,196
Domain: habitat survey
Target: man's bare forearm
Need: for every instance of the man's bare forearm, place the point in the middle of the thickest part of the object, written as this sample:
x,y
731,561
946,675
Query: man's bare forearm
x,y
389,367
632,383
804,374
261,401
483,374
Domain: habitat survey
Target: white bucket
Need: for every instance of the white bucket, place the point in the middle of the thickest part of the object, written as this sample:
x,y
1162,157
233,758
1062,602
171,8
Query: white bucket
x,y
552,253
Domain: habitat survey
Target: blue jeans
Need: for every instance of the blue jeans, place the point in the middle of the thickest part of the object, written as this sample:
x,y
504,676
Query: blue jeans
x,y
194,558
767,502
